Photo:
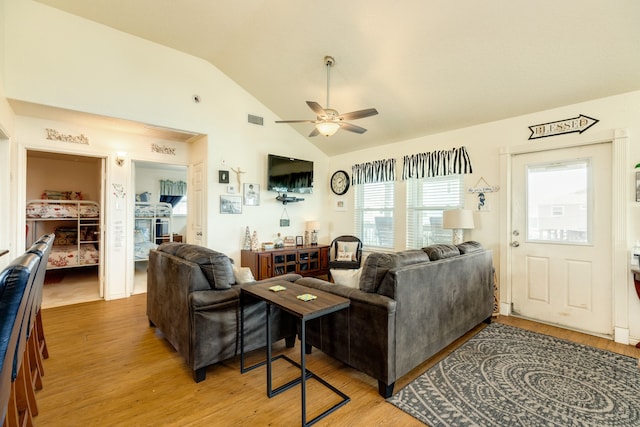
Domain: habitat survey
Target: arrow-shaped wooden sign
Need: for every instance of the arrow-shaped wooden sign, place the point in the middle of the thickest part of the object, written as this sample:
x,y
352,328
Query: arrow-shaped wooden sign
x,y
577,124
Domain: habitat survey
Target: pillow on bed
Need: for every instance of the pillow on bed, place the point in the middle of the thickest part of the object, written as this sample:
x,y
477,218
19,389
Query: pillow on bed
x,y
138,236
65,236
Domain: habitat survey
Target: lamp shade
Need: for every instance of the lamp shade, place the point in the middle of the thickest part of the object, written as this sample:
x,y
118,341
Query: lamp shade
x,y
327,128
458,219
312,225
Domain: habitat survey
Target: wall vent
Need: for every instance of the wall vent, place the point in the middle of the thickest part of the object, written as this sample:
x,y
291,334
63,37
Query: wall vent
x,y
256,120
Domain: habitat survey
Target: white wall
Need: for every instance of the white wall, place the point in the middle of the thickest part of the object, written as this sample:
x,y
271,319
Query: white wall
x,y
484,143
6,130
61,60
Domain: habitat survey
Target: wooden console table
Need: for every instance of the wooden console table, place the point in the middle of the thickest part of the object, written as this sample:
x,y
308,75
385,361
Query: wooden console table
x,y
310,260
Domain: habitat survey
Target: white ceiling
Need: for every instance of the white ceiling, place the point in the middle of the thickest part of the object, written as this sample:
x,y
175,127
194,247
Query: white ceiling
x,y
427,66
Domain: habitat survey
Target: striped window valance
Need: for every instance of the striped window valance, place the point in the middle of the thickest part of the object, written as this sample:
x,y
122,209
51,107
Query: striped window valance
x,y
436,163
376,171
173,188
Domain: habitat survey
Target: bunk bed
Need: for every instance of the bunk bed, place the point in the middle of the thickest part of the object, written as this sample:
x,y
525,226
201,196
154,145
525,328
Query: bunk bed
x,y
76,224
153,226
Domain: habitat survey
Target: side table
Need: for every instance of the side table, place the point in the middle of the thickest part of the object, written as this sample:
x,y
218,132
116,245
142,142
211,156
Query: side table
x,y
287,301
636,282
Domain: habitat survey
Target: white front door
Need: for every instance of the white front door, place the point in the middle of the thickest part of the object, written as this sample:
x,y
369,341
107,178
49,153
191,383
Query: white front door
x,y
561,240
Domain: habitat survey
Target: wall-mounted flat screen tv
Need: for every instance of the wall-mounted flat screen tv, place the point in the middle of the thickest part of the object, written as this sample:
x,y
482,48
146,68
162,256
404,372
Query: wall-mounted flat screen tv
x,y
289,175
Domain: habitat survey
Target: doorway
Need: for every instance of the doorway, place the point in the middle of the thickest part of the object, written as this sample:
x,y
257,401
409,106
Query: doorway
x,y
64,194
561,237
158,217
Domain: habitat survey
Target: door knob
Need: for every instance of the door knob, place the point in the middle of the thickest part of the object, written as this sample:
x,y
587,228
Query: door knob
x,y
515,244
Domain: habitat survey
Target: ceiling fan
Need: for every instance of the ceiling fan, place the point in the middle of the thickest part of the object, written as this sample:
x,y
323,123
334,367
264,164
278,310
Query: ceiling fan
x,y
328,120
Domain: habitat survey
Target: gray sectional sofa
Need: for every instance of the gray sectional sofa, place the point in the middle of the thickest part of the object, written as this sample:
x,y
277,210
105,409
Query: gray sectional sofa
x,y
408,307
193,298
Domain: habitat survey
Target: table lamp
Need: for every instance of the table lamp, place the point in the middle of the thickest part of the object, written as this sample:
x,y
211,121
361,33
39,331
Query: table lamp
x,y
313,227
458,220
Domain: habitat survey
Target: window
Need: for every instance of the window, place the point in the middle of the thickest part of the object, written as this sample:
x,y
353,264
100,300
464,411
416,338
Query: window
x,y
374,214
558,196
181,207
427,198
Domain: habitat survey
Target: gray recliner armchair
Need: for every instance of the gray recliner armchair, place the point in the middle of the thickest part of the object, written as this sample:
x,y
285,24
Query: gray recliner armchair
x,y
193,298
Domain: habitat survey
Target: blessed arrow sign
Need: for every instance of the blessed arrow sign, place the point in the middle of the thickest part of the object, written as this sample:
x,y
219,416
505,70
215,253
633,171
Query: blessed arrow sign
x,y
577,124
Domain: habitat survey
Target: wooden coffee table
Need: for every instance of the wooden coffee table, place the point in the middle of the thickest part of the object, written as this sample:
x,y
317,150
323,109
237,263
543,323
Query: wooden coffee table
x,y
287,301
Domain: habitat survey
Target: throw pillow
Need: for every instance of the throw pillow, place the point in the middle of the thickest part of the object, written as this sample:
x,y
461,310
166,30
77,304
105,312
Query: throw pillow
x,y
345,256
347,277
243,275
349,247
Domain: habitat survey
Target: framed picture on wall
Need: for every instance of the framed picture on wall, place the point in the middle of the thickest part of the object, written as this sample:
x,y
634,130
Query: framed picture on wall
x,y
637,186
223,177
251,194
230,204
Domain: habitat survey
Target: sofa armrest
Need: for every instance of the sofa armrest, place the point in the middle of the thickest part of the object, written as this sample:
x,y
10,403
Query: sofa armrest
x,y
362,336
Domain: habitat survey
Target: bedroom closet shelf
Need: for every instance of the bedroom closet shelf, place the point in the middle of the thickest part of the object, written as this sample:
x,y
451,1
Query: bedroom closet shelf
x,y
76,224
153,226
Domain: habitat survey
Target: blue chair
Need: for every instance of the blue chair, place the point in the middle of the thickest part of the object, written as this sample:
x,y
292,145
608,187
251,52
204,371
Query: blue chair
x,y
37,248
16,281
34,348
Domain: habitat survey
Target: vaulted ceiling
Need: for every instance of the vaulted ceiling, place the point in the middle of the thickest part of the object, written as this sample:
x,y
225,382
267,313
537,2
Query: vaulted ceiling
x,y
427,66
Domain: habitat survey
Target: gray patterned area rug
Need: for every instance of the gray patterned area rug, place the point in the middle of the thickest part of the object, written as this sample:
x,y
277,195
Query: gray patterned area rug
x,y
506,376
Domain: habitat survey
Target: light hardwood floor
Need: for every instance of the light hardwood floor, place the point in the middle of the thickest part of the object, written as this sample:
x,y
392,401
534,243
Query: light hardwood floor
x,y
107,367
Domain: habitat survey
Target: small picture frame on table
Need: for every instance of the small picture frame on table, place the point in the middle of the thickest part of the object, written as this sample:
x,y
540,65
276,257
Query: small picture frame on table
x,y
299,241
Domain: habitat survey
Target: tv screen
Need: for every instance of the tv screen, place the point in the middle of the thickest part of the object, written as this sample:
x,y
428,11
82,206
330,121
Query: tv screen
x,y
289,175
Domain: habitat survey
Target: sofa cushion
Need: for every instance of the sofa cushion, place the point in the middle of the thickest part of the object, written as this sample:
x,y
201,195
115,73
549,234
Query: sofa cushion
x,y
441,251
411,256
374,269
470,246
169,247
216,266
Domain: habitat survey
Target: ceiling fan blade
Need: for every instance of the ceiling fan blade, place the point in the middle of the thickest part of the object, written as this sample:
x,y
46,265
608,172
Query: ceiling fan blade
x,y
360,114
352,128
317,108
295,121
314,132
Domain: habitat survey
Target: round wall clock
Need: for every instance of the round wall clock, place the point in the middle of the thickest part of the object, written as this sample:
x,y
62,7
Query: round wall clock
x,y
340,182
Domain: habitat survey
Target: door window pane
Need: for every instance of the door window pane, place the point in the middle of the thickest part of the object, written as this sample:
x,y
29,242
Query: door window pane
x,y
558,202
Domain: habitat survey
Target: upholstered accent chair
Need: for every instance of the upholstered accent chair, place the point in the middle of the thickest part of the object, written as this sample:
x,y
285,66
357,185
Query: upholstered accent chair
x,y
345,253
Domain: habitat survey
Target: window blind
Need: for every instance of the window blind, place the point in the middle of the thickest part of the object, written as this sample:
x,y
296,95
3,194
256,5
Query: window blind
x,y
427,198
373,214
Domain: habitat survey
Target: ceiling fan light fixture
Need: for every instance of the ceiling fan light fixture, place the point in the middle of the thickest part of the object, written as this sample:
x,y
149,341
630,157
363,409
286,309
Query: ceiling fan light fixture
x,y
327,128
